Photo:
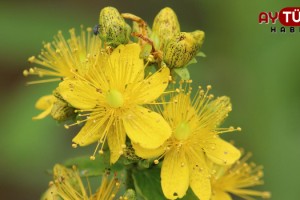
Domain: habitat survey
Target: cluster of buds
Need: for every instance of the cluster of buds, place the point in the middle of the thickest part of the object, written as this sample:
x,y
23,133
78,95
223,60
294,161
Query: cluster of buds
x,y
163,44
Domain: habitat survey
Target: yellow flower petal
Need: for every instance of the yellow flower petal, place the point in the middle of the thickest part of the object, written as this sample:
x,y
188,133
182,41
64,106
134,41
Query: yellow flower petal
x,y
45,102
116,139
151,88
91,132
175,175
222,153
199,174
220,195
79,94
43,114
126,62
148,153
147,128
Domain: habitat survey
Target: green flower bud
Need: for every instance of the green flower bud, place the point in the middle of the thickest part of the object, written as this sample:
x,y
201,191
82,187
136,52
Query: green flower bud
x,y
112,27
61,110
182,48
165,27
130,194
130,155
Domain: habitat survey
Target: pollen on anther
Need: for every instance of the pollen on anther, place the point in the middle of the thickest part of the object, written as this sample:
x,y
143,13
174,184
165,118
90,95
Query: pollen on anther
x,y
208,87
156,161
74,145
239,129
92,157
101,152
66,126
25,72
89,29
266,195
51,183
31,59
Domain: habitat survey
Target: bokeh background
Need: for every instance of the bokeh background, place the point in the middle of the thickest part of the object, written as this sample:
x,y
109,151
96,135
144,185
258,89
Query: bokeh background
x,y
258,69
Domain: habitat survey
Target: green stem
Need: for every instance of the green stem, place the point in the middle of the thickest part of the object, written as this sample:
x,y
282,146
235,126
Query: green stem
x,y
129,179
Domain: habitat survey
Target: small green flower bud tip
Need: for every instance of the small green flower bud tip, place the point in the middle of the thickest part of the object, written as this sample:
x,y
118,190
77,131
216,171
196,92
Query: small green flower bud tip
x,y
112,27
130,194
165,26
182,48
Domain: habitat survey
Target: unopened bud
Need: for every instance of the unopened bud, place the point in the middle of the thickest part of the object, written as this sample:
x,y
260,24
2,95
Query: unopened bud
x,y
112,27
61,110
130,194
165,27
182,48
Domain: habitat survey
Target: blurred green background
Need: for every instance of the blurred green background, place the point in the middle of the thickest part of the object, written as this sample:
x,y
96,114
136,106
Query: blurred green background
x,y
258,69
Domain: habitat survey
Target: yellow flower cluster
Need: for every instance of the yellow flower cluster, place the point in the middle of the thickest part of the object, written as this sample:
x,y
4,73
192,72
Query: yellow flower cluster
x,y
67,184
105,85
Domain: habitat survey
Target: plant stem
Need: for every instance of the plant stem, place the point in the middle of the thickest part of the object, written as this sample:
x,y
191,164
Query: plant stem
x,y
129,180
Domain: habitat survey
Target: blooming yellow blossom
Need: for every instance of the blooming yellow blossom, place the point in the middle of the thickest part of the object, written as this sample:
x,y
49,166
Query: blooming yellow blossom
x,y
67,184
236,179
63,57
195,138
44,103
111,98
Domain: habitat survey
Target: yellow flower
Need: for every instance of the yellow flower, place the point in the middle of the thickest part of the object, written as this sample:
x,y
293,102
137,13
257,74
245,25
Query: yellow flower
x,y
236,179
67,184
111,98
63,57
195,138
44,103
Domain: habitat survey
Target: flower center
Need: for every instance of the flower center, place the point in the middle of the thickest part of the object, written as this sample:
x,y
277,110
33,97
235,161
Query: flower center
x,y
114,98
182,131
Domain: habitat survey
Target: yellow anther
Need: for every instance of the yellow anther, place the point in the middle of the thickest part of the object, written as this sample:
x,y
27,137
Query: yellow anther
x,y
31,59
92,157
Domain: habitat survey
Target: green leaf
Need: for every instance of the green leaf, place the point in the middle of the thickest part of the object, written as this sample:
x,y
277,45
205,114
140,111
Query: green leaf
x,y
150,69
183,73
96,167
155,39
147,184
201,54
194,61
146,51
190,195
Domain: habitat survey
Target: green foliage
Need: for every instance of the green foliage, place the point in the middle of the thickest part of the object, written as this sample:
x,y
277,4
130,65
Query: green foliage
x,y
147,184
189,195
181,73
146,51
96,167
